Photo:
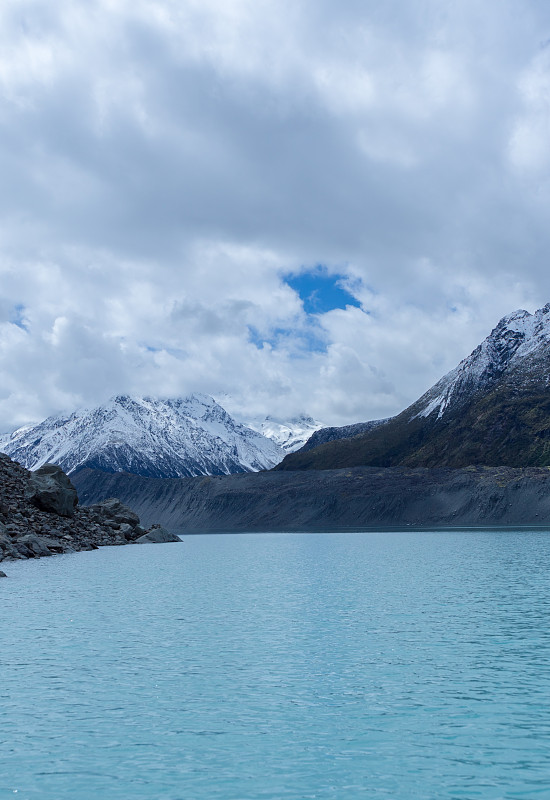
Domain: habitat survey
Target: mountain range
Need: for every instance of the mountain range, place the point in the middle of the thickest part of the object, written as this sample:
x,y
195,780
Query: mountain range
x,y
493,409
171,438
473,450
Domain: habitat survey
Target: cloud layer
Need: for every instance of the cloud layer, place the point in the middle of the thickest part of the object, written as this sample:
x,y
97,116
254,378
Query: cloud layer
x,y
166,163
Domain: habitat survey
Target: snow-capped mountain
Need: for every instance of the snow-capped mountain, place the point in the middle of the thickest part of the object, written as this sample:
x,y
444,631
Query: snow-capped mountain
x,y
493,409
290,434
517,350
173,438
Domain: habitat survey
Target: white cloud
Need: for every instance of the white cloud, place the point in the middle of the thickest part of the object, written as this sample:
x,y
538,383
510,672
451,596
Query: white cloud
x,y
165,163
529,147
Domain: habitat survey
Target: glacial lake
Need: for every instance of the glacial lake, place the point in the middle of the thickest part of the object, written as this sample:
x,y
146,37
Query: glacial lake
x,y
396,665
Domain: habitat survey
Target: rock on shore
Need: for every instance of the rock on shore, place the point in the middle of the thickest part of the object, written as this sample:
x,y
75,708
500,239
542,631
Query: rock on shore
x,y
158,535
40,515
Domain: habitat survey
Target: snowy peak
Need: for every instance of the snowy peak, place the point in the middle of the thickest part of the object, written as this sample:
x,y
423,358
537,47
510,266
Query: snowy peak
x,y
290,435
517,349
178,437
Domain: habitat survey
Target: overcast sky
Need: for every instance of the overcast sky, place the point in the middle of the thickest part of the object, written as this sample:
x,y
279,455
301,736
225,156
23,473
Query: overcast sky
x,y
305,205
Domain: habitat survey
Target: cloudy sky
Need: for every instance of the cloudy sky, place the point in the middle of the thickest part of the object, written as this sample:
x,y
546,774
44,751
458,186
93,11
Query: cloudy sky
x,y
302,204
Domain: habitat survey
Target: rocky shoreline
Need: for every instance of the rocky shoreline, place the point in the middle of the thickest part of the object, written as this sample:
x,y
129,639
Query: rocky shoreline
x,y
40,516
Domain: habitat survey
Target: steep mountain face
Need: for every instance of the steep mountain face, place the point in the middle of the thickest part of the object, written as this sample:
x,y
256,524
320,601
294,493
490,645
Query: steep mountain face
x,y
324,435
182,437
289,435
492,409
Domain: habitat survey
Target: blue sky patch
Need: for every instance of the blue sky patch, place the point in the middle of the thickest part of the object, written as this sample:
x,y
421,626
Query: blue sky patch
x,y
307,341
18,317
321,292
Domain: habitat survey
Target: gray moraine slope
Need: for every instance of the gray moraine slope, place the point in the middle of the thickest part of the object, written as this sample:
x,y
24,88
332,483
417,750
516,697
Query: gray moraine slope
x,y
316,500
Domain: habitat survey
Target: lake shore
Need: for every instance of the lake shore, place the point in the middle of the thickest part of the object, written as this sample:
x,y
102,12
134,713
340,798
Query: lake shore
x,y
40,516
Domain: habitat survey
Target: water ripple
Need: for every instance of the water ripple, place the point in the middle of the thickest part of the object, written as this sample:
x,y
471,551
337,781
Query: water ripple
x,y
398,666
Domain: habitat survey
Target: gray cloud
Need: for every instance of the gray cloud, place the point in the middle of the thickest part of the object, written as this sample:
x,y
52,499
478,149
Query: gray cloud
x,y
164,164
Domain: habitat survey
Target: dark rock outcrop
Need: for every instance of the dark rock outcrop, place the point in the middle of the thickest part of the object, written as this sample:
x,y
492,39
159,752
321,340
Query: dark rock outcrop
x,y
49,489
40,515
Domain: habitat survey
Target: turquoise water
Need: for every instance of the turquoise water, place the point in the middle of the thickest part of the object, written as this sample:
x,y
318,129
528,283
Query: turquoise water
x,y
396,665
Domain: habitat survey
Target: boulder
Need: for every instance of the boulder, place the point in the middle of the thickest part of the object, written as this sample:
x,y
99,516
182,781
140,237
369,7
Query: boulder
x,y
21,550
6,547
112,512
38,545
54,545
49,489
127,532
158,535
3,574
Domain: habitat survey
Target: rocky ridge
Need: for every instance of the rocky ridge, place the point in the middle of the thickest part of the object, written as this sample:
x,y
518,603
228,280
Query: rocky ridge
x,y
40,516
324,435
